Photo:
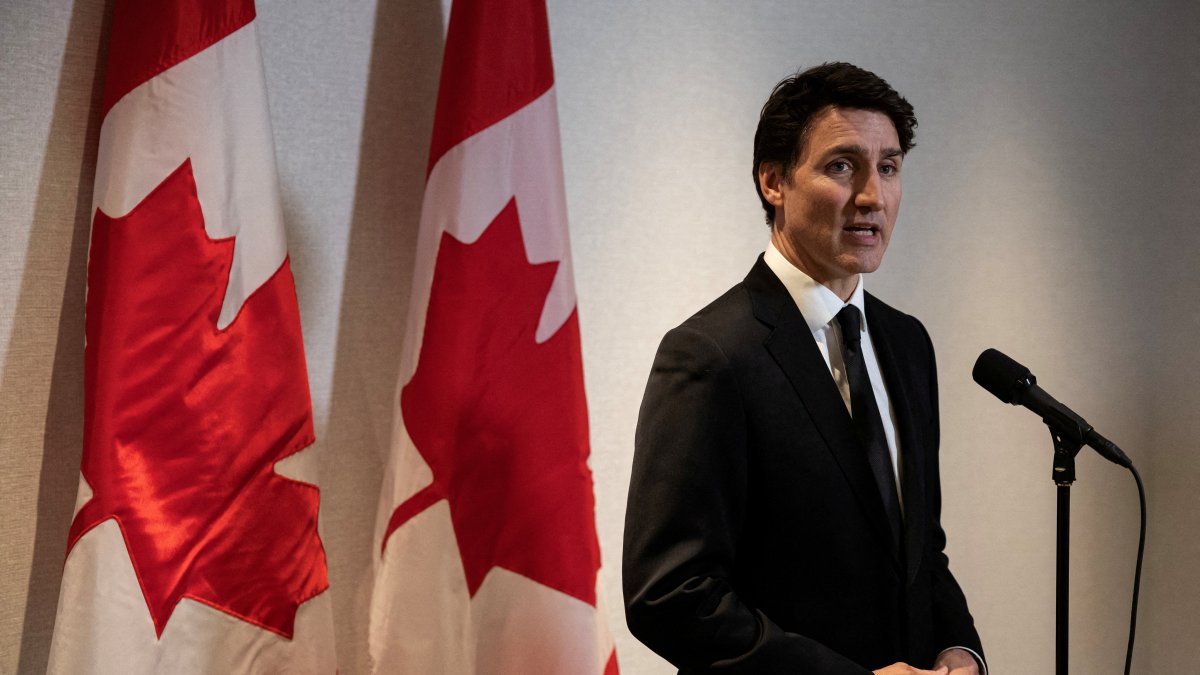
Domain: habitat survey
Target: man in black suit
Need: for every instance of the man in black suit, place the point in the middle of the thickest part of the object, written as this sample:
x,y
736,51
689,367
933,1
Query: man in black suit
x,y
784,507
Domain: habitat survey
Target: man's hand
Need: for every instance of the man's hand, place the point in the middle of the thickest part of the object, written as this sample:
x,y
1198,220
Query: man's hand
x,y
905,669
959,661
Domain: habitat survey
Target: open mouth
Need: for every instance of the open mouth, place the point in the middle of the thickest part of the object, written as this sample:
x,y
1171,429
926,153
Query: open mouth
x,y
862,230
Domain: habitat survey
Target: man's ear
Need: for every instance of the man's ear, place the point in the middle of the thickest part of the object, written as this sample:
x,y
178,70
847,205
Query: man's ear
x,y
770,181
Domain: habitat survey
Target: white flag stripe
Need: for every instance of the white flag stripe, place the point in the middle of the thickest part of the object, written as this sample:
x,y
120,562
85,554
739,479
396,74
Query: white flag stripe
x,y
527,627
512,625
423,616
212,108
103,626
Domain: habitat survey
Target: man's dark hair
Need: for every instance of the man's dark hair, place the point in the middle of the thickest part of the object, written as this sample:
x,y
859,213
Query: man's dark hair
x,y
786,117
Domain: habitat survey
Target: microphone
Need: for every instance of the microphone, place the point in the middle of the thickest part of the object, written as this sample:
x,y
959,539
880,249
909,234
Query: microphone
x,y
1012,383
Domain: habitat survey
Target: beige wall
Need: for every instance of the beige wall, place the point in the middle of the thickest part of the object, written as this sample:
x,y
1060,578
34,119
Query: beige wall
x,y
1049,212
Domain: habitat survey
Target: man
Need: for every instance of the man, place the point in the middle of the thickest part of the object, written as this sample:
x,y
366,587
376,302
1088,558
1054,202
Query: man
x,y
778,522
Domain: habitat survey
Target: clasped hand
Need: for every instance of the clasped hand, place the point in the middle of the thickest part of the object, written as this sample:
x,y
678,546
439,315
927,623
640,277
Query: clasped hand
x,y
949,662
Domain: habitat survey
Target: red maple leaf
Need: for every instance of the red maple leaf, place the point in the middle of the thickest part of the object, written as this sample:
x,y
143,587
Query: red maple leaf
x,y
185,422
501,420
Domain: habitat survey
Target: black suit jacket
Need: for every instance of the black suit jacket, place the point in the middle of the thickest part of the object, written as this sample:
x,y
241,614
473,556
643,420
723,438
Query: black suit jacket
x,y
755,536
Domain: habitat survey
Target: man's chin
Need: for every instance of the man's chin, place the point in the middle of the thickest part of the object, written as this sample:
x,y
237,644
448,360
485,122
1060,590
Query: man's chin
x,y
862,264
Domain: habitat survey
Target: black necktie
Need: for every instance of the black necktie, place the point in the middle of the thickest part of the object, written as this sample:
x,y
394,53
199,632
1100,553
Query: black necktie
x,y
867,422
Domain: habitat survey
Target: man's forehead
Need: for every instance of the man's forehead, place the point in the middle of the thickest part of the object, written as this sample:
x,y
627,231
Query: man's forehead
x,y
851,130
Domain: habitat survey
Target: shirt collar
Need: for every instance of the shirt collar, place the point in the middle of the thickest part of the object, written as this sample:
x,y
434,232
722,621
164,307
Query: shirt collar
x,y
816,302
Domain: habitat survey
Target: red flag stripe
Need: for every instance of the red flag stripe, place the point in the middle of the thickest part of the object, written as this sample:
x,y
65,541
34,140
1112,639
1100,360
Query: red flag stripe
x,y
497,61
150,36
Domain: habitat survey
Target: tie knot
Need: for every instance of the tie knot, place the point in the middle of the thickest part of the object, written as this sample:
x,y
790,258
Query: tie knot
x,y
850,321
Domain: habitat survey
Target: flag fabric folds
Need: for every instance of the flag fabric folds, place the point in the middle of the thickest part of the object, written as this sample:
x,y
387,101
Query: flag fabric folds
x,y
488,555
194,544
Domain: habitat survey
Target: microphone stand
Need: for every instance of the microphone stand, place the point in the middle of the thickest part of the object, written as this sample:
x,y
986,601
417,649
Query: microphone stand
x,y
1067,443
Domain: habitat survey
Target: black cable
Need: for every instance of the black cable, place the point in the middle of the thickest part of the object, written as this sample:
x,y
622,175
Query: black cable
x,y
1137,575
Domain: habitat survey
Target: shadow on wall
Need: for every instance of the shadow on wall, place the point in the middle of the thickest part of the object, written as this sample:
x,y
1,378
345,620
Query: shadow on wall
x,y
84,56
401,96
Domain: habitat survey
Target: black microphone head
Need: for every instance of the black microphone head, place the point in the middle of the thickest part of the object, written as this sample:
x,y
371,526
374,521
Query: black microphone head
x,y
1002,376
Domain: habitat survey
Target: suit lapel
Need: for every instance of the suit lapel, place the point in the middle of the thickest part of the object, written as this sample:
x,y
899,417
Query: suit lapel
x,y
792,346
912,458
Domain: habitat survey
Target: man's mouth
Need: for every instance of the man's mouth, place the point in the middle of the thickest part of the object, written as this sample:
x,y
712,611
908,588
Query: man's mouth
x,y
862,230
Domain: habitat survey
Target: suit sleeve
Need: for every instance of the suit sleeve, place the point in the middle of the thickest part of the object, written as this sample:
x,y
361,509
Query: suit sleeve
x,y
953,625
687,501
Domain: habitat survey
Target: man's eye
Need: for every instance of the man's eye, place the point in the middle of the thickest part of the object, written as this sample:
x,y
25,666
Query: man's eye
x,y
889,169
839,166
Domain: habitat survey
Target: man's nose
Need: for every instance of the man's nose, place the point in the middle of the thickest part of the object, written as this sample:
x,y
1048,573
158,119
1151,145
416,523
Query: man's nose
x,y
869,195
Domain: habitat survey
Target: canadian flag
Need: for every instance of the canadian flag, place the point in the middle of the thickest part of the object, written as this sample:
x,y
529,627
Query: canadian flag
x,y
489,559
194,545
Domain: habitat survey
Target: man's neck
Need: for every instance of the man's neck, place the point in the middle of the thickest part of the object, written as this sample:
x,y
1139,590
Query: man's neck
x,y
842,286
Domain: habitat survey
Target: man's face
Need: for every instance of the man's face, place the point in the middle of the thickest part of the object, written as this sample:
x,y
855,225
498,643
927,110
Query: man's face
x,y
834,213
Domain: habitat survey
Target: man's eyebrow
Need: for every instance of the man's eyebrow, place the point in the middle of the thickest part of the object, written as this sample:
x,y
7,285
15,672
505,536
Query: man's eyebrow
x,y
855,149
